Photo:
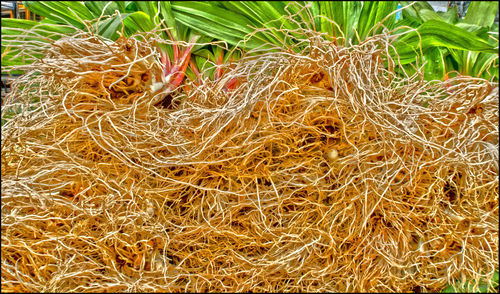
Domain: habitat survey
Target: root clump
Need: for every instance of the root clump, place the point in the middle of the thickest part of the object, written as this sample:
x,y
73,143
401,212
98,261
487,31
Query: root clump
x,y
322,171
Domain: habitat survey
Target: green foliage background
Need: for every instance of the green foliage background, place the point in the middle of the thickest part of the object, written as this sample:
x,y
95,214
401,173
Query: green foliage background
x,y
447,43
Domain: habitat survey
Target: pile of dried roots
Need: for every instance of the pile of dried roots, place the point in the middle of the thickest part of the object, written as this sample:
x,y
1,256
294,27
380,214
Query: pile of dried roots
x,y
322,171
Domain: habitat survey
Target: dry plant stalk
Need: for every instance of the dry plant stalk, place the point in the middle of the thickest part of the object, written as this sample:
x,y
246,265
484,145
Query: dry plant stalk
x,y
323,171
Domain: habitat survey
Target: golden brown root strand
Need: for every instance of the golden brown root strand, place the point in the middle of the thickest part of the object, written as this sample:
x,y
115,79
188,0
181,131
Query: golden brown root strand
x,y
321,171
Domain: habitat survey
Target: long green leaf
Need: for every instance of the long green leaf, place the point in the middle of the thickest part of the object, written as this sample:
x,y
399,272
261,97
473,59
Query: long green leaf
x,y
374,12
451,15
109,7
216,22
16,32
315,9
138,21
483,61
110,27
479,31
253,12
414,10
435,68
64,11
213,14
167,15
481,13
219,32
328,9
345,13
148,7
427,14
275,10
436,33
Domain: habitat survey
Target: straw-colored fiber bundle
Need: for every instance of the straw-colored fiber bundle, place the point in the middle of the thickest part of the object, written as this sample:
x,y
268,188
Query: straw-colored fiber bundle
x,y
322,171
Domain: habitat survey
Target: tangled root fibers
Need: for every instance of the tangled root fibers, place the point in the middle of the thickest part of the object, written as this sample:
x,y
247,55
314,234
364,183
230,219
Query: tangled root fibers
x,y
322,171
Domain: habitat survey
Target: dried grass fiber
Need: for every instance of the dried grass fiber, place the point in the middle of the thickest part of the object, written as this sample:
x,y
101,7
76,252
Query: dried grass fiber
x,y
322,171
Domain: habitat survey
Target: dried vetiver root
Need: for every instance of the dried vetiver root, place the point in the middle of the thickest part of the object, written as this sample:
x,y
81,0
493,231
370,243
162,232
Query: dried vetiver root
x,y
321,170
